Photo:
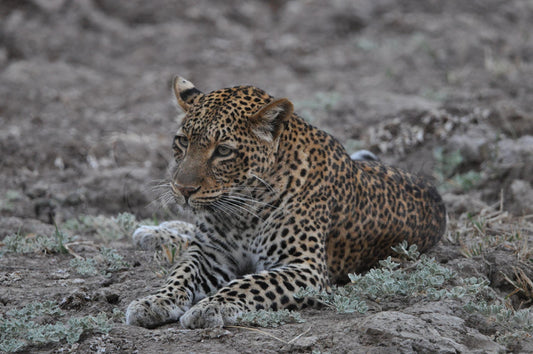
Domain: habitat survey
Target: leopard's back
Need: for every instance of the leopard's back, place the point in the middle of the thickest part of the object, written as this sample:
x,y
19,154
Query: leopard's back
x,y
385,207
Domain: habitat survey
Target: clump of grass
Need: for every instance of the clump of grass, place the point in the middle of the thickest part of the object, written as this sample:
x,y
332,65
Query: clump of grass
x,y
37,323
268,318
522,284
489,228
60,238
420,277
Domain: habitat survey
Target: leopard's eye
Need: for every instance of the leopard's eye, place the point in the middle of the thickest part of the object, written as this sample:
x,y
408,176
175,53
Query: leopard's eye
x,y
223,151
182,141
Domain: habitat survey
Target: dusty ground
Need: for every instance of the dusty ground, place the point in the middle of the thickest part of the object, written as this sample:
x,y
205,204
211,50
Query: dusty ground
x,y
444,89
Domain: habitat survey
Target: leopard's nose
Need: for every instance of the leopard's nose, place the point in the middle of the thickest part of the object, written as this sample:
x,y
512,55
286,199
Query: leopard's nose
x,y
187,191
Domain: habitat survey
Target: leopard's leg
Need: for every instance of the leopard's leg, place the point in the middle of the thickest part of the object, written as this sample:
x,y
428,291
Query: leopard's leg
x,y
273,290
198,273
294,259
150,237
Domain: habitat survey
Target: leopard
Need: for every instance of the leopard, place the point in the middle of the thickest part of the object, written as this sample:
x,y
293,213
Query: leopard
x,y
279,207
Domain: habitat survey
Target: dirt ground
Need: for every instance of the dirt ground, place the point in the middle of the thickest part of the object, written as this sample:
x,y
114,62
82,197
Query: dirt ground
x,y
440,88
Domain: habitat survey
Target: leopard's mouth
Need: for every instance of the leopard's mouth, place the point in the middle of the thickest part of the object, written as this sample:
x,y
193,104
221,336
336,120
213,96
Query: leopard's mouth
x,y
231,202
197,202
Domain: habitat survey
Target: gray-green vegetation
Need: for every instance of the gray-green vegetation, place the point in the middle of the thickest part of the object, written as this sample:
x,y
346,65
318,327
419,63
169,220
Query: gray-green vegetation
x,y
108,261
39,323
419,277
105,228
19,243
513,324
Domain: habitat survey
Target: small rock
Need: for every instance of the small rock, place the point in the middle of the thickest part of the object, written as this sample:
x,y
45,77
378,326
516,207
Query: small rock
x,y
445,334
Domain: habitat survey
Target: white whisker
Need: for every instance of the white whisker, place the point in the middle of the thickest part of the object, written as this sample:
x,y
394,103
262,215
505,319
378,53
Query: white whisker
x,y
263,181
244,206
244,199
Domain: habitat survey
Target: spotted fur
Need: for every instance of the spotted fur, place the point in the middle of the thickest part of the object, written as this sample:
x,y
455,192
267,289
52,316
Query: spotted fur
x,y
280,206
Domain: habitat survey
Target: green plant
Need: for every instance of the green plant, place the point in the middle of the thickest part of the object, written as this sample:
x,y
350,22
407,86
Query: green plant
x,y
37,323
60,238
106,228
404,250
114,261
111,260
342,299
30,243
267,318
514,324
84,266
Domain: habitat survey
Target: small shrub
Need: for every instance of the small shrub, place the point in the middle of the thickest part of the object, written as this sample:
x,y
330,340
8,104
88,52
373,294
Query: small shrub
x,y
37,324
84,266
109,259
390,280
421,277
514,324
409,252
114,261
342,299
31,243
106,228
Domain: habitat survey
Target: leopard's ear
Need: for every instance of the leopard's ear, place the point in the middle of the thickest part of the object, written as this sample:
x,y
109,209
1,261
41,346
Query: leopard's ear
x,y
269,122
185,92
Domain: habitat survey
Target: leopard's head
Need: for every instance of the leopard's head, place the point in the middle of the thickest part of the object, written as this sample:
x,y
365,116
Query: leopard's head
x,y
225,144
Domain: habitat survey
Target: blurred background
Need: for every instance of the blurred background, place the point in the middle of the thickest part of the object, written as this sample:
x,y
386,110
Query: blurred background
x,y
442,88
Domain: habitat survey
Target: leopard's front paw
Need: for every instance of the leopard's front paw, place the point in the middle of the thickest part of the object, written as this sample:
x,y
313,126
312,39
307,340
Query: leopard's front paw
x,y
153,311
208,314
148,237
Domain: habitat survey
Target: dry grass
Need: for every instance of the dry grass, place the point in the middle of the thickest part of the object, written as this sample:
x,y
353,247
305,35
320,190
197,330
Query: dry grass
x,y
523,284
492,227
